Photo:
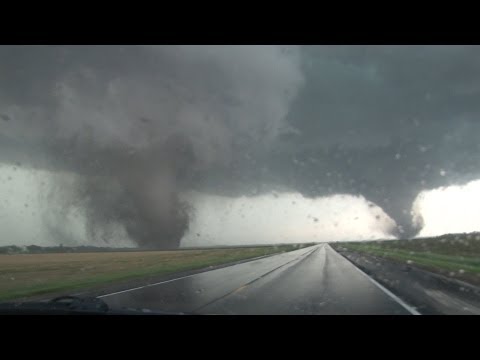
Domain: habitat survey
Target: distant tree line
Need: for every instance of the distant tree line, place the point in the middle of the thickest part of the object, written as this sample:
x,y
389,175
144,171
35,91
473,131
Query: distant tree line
x,y
35,249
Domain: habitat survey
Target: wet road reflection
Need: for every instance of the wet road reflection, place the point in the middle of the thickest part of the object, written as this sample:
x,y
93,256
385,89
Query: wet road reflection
x,y
314,280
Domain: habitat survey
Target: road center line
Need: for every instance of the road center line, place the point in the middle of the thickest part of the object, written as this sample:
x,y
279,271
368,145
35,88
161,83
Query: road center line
x,y
240,288
180,278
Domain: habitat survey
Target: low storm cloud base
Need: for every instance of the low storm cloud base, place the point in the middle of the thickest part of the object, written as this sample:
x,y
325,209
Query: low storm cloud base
x,y
129,129
137,123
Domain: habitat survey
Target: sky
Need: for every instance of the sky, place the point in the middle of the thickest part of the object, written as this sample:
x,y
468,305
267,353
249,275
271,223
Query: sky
x,y
283,218
460,216
126,132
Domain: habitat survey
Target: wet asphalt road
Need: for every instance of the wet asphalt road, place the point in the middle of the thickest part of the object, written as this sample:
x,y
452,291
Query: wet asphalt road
x,y
313,280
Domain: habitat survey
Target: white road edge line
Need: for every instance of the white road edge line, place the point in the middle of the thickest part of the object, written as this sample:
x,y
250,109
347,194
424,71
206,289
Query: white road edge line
x,y
409,308
145,286
184,277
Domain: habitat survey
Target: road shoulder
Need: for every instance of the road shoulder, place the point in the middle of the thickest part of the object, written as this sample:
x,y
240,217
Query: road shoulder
x,y
429,293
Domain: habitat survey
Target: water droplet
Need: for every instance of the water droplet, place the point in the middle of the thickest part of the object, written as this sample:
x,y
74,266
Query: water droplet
x,y
397,156
442,172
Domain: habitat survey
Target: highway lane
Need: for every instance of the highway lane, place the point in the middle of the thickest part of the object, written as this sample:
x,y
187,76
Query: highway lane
x,y
314,280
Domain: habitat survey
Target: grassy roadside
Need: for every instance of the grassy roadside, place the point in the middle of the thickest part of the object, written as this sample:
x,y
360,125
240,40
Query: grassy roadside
x,y
25,275
458,257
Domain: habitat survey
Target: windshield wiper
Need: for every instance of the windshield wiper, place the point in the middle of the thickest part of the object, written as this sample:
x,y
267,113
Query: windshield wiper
x,y
72,305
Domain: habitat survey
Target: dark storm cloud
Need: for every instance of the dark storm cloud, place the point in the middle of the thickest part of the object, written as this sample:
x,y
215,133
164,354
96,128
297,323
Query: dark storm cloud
x,y
139,122
386,90
381,121
386,122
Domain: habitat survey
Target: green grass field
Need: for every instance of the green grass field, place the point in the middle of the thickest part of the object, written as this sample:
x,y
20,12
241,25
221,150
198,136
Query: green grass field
x,y
26,275
456,256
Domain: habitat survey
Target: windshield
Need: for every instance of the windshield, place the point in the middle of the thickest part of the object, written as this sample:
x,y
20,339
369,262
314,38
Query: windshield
x,y
242,179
